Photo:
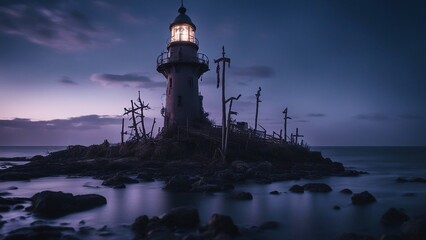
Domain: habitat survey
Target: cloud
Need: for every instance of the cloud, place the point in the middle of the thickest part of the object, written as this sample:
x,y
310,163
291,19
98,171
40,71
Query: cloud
x,y
54,24
372,117
126,80
67,81
132,19
316,115
255,71
87,122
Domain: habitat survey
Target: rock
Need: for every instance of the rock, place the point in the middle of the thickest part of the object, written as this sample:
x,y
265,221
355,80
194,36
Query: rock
x,y
4,208
240,166
415,228
55,204
140,224
297,189
222,224
317,187
355,236
120,186
393,217
2,223
118,180
179,183
409,194
242,196
146,177
269,225
15,176
346,191
12,188
39,232
13,201
275,192
419,180
363,198
401,180
336,207
182,217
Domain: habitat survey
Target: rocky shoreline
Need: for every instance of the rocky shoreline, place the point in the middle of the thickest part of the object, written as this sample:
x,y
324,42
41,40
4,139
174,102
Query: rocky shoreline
x,y
119,166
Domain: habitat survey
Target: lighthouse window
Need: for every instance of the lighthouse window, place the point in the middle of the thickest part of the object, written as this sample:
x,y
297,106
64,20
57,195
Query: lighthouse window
x,y
179,103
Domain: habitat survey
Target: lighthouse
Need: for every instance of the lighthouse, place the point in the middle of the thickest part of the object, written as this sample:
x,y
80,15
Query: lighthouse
x,y
182,66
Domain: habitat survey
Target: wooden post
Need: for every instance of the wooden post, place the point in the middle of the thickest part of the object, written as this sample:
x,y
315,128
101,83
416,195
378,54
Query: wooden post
x,y
257,107
152,128
142,107
135,126
122,130
230,112
297,135
285,124
224,60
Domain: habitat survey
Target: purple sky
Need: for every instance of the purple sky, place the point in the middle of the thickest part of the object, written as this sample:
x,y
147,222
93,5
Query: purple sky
x,y
350,72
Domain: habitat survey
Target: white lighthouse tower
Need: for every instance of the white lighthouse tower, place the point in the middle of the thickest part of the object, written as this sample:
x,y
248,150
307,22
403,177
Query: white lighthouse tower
x,y
182,66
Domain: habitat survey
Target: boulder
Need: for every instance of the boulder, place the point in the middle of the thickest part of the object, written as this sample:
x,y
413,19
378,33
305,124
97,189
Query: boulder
x,y
222,224
15,176
182,218
269,225
415,228
346,191
179,183
317,187
56,204
146,177
297,189
240,166
140,224
363,198
275,192
118,180
242,196
394,217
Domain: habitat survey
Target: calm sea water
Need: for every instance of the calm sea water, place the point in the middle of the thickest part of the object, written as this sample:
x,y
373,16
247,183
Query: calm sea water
x,y
302,216
27,151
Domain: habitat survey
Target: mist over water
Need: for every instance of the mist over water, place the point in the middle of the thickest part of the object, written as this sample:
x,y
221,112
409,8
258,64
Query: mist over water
x,y
301,216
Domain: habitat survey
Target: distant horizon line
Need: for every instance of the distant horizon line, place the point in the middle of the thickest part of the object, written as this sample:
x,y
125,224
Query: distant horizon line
x,y
308,146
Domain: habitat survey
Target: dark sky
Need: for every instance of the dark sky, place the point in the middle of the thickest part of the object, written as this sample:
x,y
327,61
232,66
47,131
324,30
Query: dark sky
x,y
350,72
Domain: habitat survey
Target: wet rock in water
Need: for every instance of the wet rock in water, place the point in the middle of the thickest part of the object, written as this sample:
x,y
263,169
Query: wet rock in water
x,y
242,196
346,191
4,208
410,194
202,186
39,232
297,189
120,186
15,176
4,193
146,177
275,192
355,236
415,228
363,198
18,207
394,217
12,188
182,217
317,187
13,201
336,207
222,224
415,180
179,183
2,223
140,224
118,180
55,204
269,225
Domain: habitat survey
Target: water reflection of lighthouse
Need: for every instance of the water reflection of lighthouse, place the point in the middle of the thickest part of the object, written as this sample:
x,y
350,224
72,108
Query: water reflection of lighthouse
x,y
182,66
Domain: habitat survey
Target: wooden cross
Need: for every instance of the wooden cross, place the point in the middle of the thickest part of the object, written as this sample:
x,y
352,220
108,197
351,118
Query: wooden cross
x,y
285,123
297,136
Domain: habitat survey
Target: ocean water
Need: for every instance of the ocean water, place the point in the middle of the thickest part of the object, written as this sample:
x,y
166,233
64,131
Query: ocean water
x,y
301,216
27,151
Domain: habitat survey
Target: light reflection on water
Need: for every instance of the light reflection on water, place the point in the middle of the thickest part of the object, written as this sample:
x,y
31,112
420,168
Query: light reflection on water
x,y
302,216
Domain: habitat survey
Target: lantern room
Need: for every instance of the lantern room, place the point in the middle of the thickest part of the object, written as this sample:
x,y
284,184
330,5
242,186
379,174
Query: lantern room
x,y
182,29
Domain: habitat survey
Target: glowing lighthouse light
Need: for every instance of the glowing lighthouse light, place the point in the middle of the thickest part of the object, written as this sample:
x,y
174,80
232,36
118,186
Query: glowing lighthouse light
x,y
183,32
